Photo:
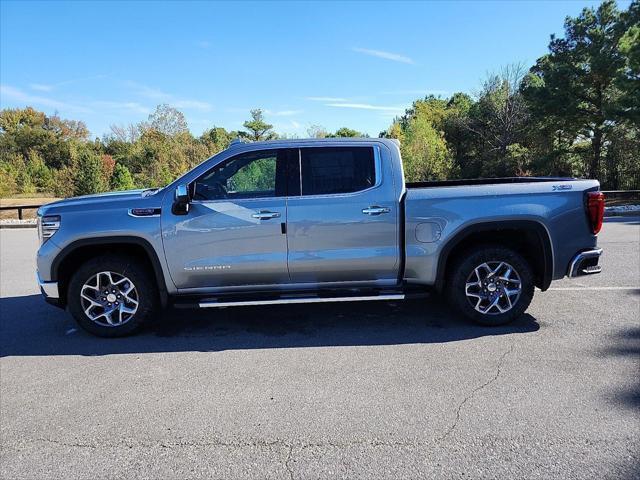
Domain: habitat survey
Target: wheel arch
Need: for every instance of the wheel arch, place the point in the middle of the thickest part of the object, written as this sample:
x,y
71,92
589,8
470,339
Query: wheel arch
x,y
535,245
79,251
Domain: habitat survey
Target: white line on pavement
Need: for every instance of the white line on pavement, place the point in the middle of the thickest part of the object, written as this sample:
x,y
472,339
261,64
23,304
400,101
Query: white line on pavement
x,y
577,289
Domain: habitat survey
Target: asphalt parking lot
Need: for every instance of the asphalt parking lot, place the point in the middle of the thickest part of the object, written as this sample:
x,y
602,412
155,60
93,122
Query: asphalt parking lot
x,y
393,390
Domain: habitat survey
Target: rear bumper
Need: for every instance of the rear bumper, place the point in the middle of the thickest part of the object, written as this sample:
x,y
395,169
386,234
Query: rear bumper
x,y
585,263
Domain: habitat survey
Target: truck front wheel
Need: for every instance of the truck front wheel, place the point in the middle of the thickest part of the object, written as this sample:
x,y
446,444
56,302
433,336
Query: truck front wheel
x,y
492,285
112,295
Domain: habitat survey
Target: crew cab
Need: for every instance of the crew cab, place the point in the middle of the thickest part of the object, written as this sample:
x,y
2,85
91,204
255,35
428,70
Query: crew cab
x,y
317,220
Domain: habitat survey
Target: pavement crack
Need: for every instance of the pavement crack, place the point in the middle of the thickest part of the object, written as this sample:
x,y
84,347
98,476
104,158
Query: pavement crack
x,y
65,444
453,426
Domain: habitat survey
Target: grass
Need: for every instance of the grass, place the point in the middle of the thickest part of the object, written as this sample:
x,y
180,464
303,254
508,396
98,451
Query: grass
x,y
23,200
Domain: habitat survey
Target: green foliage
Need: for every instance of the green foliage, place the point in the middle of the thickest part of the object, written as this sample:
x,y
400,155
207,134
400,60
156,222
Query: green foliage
x,y
88,172
122,178
629,79
40,176
8,185
345,132
256,176
258,128
64,182
424,149
576,88
217,139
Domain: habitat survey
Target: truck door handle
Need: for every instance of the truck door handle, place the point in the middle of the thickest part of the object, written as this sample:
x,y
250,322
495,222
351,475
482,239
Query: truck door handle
x,y
375,210
264,215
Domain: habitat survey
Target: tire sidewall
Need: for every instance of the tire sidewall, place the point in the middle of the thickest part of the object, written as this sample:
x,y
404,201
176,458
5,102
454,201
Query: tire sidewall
x,y
123,265
471,259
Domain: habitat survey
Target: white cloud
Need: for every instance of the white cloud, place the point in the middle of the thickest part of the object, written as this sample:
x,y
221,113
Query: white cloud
x,y
327,99
386,55
47,87
158,95
366,106
41,87
130,106
146,91
17,95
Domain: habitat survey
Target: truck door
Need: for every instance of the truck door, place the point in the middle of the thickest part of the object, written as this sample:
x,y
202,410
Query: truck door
x,y
343,227
234,231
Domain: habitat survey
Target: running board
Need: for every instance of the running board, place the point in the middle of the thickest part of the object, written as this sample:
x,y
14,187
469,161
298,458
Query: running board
x,y
292,300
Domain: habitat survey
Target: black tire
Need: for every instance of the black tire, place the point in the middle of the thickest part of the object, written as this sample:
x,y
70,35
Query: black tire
x,y
146,294
463,270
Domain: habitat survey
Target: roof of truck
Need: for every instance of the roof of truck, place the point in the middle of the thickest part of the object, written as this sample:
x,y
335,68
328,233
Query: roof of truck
x,y
308,141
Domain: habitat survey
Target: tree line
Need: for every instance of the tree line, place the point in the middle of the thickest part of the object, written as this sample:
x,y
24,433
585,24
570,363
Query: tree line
x,y
576,112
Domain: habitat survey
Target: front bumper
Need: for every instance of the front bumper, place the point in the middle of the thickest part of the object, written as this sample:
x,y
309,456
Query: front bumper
x,y
585,263
49,290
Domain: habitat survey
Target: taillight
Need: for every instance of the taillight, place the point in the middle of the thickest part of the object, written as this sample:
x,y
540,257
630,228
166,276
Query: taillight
x,y
595,209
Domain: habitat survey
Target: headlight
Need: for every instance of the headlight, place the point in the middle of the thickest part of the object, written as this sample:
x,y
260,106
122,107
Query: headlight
x,y
47,226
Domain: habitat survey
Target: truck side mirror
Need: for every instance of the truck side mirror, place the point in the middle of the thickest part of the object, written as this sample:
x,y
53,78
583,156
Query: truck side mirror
x,y
181,200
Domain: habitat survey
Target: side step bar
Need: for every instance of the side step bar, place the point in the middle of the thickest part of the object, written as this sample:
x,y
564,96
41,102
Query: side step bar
x,y
292,300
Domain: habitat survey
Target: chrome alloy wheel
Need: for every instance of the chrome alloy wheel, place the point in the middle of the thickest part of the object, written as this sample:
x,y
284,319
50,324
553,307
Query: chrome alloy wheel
x,y
109,299
493,288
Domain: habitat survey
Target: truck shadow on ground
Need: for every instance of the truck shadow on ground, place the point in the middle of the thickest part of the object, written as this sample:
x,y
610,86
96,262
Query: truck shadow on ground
x,y
29,327
626,343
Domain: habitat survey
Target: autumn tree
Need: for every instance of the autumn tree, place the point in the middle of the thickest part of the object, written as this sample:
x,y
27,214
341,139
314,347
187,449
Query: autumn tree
x,y
167,120
317,131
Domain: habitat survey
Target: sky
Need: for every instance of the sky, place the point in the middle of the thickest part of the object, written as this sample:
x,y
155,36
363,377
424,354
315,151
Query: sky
x,y
331,64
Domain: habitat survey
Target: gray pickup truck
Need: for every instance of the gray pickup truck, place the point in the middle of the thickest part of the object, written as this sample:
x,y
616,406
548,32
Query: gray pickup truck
x,y
320,220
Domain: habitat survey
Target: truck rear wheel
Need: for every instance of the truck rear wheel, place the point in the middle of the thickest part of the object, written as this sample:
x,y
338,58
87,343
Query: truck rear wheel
x,y
112,295
492,285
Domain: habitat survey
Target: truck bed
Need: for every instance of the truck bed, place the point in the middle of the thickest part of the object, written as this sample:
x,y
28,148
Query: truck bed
x,y
435,216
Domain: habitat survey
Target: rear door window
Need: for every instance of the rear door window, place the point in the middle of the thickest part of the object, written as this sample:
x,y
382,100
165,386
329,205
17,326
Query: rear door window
x,y
335,170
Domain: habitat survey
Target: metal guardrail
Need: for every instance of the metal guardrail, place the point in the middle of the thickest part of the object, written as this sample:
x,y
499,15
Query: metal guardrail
x,y
20,208
608,193
615,192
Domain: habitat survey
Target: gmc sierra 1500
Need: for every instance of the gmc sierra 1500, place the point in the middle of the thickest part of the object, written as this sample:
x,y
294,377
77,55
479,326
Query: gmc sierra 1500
x,y
301,221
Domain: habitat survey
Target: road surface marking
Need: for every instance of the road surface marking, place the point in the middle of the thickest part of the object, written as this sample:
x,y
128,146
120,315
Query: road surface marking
x,y
577,289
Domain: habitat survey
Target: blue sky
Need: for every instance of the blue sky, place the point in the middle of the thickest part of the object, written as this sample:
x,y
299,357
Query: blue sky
x,y
333,64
